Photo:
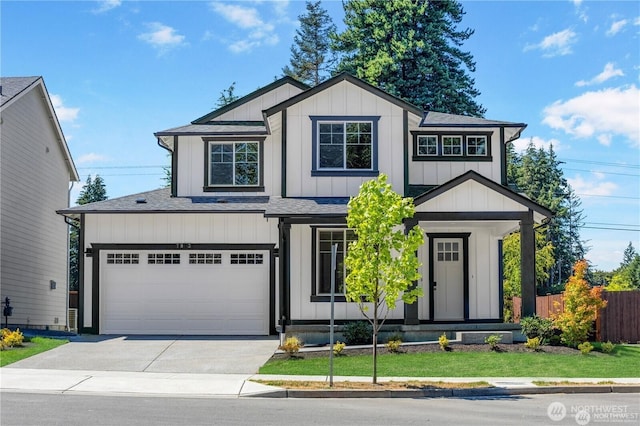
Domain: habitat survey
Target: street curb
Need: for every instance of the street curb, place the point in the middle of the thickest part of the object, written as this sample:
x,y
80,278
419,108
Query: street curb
x,y
443,393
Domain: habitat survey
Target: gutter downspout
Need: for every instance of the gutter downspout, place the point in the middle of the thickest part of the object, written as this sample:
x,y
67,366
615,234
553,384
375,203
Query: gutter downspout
x,y
173,189
67,221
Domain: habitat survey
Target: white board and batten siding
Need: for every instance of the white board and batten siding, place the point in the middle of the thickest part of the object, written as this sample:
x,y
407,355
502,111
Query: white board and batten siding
x,y
252,110
191,166
219,298
342,99
483,269
34,184
302,308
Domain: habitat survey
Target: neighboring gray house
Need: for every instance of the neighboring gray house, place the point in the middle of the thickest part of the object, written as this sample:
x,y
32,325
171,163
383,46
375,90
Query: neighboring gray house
x,y
240,243
35,171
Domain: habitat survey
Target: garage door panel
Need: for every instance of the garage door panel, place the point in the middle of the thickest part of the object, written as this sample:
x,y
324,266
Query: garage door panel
x,y
186,298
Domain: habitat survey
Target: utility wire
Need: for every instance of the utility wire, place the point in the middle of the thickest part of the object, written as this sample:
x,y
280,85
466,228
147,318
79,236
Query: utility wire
x,y
601,163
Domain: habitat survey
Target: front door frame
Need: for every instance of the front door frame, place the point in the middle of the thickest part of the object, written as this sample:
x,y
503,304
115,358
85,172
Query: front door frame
x,y
465,269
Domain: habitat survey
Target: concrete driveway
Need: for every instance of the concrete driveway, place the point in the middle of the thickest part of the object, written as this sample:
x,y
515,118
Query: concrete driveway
x,y
158,354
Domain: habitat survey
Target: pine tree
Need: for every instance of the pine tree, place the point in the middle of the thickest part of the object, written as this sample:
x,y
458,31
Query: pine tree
x,y
227,96
628,255
92,191
537,173
411,49
311,51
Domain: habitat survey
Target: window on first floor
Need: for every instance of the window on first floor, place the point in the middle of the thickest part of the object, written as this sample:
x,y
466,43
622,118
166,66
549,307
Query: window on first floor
x,y
326,238
345,145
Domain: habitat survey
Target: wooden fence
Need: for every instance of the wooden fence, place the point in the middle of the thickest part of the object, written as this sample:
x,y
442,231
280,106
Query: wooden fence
x,y
618,322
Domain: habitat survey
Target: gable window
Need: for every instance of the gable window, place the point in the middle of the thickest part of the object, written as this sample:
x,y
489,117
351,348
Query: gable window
x,y
427,145
449,146
323,240
344,146
452,145
233,165
476,145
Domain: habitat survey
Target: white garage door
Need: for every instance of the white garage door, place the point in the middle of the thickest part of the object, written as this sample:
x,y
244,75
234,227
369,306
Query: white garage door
x,y
184,292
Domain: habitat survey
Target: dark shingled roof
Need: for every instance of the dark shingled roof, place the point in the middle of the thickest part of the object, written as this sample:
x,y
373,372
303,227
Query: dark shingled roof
x,y
13,86
439,119
303,207
226,128
160,201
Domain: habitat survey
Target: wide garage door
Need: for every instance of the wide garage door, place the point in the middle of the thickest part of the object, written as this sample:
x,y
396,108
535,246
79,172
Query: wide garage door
x,y
184,292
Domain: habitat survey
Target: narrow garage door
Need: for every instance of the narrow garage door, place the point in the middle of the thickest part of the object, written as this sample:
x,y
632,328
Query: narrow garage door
x,y
182,292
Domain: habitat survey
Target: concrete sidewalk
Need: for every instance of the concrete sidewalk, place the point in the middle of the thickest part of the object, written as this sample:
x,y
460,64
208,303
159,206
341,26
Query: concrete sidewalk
x,y
240,385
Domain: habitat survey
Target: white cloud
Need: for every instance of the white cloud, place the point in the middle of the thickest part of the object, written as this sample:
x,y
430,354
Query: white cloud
x,y
257,32
162,37
594,187
91,157
556,44
609,72
64,114
107,5
616,27
593,114
520,145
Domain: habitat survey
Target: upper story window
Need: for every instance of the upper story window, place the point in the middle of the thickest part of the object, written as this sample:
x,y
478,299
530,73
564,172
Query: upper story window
x,y
451,146
233,165
344,146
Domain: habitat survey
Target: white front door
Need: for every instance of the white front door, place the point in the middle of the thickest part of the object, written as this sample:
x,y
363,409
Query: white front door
x,y
448,279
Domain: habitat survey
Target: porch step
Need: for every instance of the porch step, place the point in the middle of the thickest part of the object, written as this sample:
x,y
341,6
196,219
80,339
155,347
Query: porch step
x,y
477,337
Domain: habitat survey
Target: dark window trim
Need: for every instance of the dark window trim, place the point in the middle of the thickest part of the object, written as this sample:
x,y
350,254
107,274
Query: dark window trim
x,y
315,119
232,188
315,297
440,157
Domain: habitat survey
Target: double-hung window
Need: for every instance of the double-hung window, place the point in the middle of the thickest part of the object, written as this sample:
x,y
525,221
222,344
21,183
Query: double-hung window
x,y
345,146
323,240
234,165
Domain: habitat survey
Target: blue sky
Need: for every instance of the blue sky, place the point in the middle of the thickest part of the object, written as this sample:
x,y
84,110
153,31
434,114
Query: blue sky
x,y
118,71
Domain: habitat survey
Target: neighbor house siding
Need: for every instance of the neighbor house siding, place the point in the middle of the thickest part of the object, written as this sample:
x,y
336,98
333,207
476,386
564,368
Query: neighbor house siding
x,y
159,228
342,100
34,184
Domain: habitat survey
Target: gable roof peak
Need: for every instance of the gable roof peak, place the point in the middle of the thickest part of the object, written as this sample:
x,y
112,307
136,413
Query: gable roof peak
x,y
253,95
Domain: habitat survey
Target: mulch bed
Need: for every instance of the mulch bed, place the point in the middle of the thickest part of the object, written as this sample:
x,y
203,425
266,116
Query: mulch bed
x,y
453,347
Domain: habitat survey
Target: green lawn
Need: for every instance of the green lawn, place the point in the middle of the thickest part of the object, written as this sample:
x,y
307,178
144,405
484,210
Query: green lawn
x,y
35,346
623,362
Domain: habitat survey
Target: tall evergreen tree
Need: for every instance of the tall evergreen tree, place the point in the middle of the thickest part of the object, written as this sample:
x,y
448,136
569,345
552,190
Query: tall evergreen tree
x,y
629,254
227,96
411,49
537,173
311,55
92,191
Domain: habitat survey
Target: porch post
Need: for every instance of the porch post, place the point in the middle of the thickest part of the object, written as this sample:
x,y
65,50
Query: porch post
x,y
284,272
411,311
528,266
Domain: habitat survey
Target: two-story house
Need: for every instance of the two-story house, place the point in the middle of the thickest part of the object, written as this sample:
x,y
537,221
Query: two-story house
x,y
240,242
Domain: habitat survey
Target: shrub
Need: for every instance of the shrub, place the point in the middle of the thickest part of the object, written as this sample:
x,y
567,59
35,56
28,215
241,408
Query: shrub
x,y
394,345
581,304
443,342
338,347
533,343
607,347
358,333
12,338
493,341
291,345
585,347
536,326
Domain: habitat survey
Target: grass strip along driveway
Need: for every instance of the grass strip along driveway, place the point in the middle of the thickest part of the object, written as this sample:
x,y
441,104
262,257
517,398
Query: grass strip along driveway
x,y
35,346
624,361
